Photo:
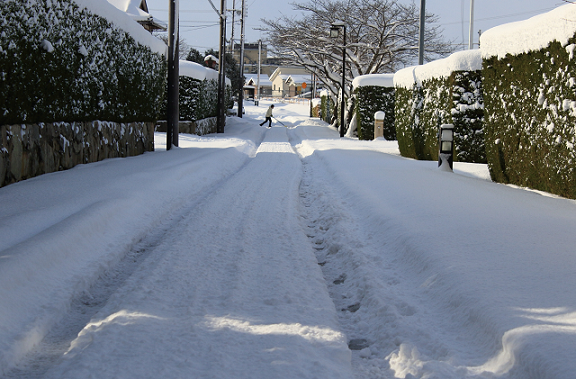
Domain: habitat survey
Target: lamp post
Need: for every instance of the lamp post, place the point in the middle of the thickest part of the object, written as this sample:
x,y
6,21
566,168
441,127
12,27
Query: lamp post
x,y
446,146
335,33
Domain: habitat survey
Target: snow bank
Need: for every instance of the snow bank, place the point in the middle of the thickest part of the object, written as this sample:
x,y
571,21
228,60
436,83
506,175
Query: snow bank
x,y
197,71
123,21
380,80
530,35
131,8
468,60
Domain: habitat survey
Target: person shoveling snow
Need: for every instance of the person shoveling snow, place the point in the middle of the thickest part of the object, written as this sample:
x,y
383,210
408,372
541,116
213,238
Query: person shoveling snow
x,y
269,116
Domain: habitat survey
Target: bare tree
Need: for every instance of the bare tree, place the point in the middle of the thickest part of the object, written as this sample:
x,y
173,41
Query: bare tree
x,y
382,36
183,48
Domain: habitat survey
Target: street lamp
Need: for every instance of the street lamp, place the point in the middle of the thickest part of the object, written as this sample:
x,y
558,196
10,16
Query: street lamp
x,y
335,33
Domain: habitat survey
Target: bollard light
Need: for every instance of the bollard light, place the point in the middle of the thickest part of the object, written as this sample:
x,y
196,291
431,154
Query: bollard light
x,y
446,146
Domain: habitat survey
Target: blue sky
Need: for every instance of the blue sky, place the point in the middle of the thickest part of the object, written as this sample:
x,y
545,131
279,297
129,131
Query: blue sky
x,y
199,22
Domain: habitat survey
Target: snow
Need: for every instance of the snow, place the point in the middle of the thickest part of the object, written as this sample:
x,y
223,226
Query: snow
x,y
380,80
131,7
123,20
468,60
533,34
267,253
196,71
199,72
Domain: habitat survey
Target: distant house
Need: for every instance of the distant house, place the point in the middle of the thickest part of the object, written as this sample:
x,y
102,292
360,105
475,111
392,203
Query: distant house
x,y
250,88
289,81
138,10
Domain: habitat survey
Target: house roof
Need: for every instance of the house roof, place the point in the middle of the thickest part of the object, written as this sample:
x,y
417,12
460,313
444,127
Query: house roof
x,y
298,79
252,80
285,71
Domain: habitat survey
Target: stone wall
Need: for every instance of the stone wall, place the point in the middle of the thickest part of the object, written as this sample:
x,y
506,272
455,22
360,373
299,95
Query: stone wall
x,y
35,149
200,127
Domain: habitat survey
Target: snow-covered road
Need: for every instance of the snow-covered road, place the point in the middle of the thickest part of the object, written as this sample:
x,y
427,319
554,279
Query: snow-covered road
x,y
284,253
233,290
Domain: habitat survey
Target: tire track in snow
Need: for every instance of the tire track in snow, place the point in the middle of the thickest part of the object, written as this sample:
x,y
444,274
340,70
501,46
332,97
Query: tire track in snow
x,y
84,307
231,289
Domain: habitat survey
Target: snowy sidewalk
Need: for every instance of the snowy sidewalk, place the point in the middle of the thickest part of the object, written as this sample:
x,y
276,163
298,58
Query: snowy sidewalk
x,y
234,291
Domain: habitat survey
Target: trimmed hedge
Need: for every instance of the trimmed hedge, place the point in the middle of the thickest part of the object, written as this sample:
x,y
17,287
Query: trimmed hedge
x,y
530,129
468,116
369,100
458,100
407,116
198,99
59,62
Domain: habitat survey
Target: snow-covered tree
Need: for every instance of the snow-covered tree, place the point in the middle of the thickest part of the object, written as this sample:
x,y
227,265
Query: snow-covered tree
x,y
381,37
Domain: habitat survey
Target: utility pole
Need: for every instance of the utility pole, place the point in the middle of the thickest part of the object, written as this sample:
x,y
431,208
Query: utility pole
x,y
233,22
259,68
241,94
173,116
422,25
471,30
221,117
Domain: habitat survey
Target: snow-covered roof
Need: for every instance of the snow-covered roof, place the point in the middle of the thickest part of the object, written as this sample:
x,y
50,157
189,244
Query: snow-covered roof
x,y
379,80
468,60
197,71
252,79
122,20
299,79
530,35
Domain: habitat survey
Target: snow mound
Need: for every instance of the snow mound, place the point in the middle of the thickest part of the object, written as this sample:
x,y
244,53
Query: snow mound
x,y
468,60
123,21
379,80
530,35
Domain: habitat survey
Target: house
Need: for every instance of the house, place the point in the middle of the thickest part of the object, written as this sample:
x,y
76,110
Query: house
x,y
288,81
138,10
250,88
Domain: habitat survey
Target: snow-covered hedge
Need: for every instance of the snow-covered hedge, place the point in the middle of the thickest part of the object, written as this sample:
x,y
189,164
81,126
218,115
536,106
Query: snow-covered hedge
x,y
198,92
444,91
374,93
62,62
530,94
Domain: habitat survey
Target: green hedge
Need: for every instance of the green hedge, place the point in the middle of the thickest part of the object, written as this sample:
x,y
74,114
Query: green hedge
x,y
408,112
531,117
468,116
59,62
458,100
326,108
198,99
369,100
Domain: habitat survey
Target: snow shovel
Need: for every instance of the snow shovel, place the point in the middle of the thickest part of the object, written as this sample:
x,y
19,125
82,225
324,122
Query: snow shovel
x,y
281,123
